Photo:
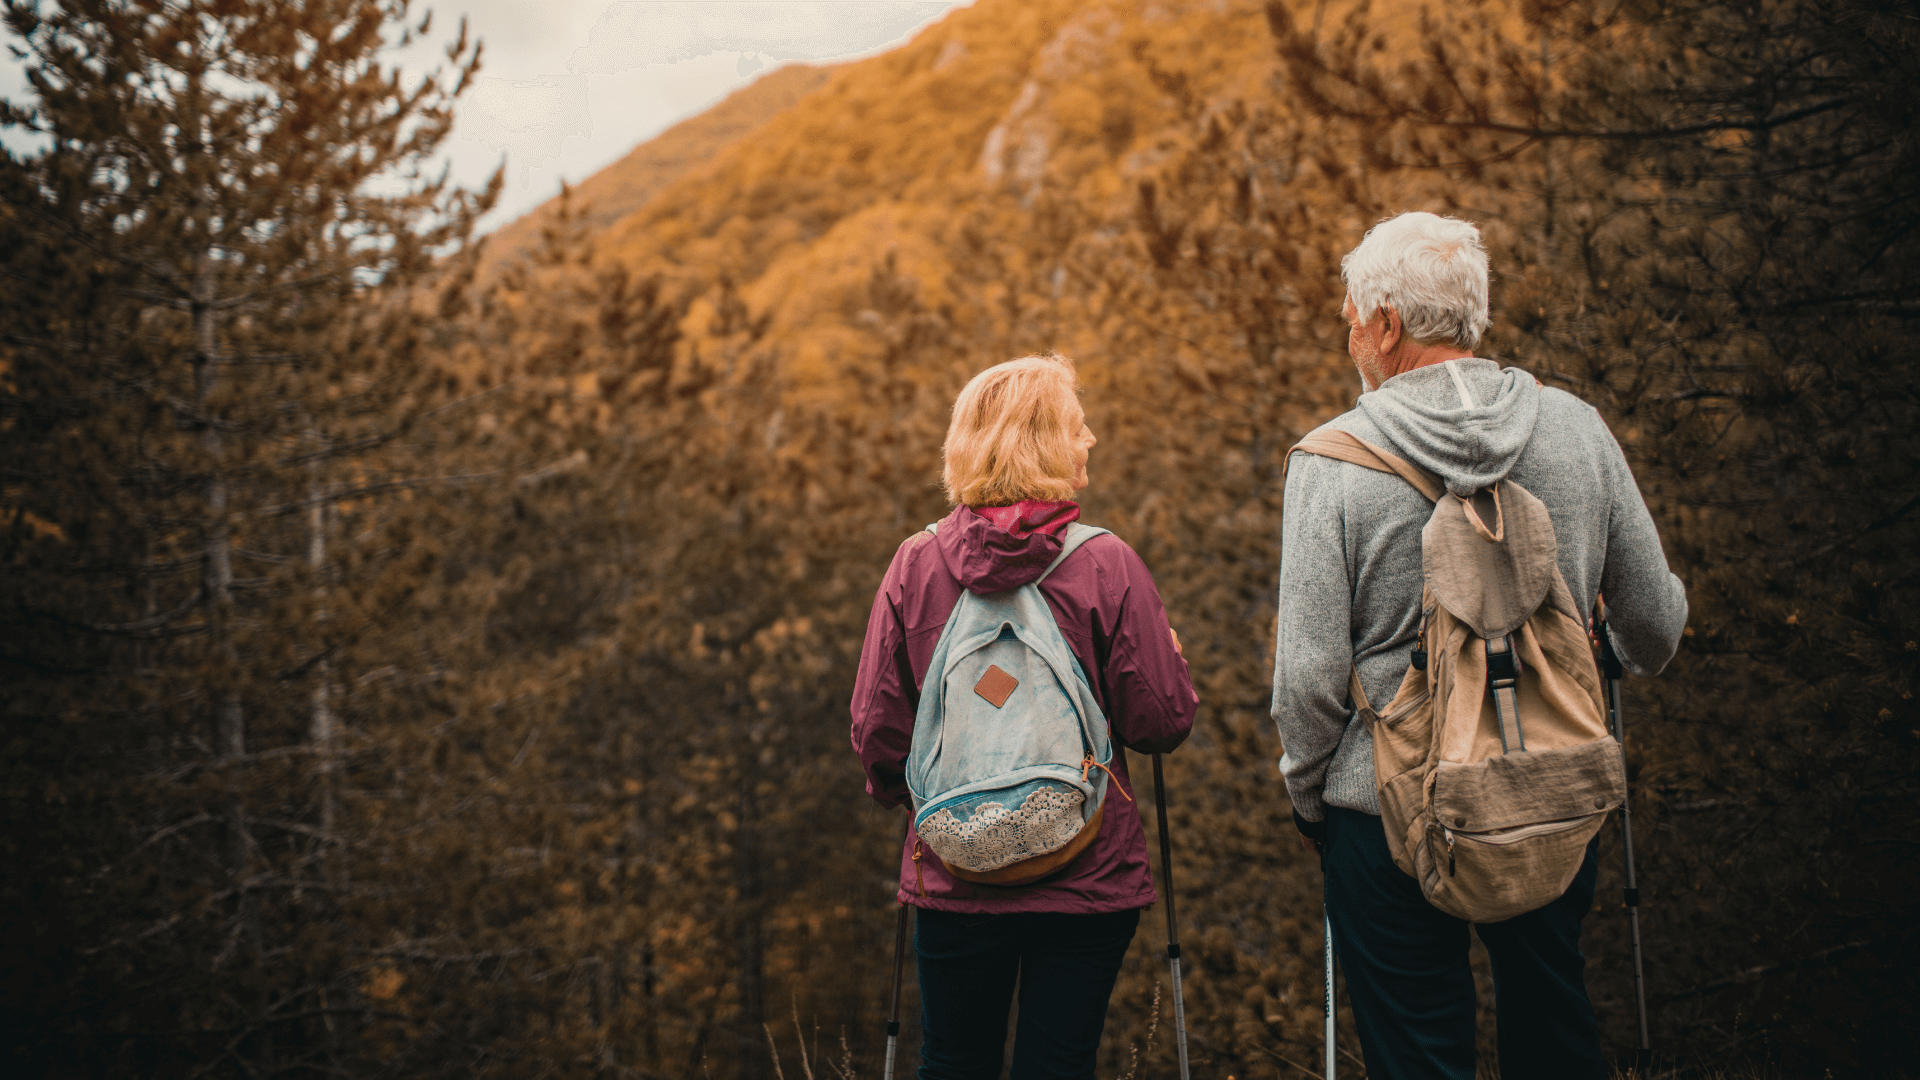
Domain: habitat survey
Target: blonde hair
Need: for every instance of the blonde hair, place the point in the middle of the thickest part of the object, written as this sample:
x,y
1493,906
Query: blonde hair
x,y
1012,434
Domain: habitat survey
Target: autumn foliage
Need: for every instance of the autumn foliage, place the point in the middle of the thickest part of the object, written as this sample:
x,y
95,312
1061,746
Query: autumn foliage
x,y
431,658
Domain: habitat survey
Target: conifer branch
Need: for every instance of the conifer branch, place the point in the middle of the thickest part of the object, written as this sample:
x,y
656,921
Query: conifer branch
x,y
139,627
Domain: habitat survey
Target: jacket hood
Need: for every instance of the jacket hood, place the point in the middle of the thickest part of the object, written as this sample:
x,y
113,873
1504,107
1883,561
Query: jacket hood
x,y
995,548
1466,420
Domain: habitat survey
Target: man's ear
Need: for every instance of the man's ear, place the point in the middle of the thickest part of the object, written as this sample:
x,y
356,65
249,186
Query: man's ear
x,y
1393,333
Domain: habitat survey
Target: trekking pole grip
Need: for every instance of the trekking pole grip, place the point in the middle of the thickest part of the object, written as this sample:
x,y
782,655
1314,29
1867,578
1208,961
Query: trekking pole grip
x,y
1610,667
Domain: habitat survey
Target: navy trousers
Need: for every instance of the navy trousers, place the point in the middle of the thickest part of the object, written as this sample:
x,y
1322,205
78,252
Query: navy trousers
x,y
1405,963
1065,966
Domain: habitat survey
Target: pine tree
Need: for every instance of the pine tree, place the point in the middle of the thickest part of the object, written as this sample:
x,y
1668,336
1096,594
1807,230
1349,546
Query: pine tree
x,y
213,361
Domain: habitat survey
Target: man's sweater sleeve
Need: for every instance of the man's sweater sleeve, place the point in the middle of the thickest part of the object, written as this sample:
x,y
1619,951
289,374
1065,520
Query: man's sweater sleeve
x,y
1313,649
1646,602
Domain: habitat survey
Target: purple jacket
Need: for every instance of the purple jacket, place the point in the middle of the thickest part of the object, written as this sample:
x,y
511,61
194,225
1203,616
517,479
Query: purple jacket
x,y
1112,617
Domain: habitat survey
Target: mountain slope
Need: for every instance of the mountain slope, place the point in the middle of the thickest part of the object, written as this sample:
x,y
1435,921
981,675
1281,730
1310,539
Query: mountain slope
x,y
625,186
998,104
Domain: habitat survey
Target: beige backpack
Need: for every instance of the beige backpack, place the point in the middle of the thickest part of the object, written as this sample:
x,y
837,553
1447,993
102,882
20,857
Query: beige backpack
x,y
1493,761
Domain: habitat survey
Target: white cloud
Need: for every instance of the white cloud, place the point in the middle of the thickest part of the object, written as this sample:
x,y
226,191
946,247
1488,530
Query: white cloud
x,y
529,119
636,33
545,99
567,92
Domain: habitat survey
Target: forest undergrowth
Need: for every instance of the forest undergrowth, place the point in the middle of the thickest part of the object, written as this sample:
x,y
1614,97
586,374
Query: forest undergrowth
x,y
423,664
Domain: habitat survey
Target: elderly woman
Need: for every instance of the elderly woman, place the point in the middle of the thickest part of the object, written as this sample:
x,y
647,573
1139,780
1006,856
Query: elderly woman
x,y
1016,452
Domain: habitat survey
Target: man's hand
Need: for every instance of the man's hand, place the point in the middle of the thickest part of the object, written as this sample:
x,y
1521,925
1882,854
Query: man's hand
x,y
1313,834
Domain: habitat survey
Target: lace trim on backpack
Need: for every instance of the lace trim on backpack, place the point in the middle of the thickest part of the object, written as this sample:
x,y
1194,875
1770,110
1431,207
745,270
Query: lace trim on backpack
x,y
994,836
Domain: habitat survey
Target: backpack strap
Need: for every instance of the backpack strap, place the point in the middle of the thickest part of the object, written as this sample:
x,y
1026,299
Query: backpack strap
x,y
1348,447
1362,708
1351,448
1077,534
1503,667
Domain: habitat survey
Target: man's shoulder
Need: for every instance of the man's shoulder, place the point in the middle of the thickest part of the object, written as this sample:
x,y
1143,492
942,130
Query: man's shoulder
x,y
1357,423
1334,482
1573,461
1353,422
1565,403
1569,420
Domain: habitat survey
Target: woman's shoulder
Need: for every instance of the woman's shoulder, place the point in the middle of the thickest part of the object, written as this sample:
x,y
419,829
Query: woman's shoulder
x,y
912,551
1110,545
916,567
1108,558
912,542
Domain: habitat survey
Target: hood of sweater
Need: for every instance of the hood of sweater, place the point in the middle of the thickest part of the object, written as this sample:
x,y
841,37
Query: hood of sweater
x,y
992,549
1466,421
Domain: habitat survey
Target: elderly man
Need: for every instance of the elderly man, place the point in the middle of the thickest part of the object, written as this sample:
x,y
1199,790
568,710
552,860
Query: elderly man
x,y
1350,586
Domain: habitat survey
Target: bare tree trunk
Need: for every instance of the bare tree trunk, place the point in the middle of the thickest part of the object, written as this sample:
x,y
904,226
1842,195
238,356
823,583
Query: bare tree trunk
x,y
216,560
320,729
321,724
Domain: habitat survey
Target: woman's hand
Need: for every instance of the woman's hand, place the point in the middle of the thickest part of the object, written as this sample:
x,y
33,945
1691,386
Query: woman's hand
x,y
1176,641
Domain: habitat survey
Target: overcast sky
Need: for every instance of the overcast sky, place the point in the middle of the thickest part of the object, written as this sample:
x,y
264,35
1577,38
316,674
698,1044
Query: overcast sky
x,y
568,86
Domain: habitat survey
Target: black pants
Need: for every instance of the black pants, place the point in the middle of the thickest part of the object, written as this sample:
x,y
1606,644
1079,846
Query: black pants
x,y
1065,965
1405,962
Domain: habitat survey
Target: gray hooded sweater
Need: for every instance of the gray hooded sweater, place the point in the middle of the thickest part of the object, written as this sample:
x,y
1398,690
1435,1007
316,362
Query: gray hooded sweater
x,y
1350,574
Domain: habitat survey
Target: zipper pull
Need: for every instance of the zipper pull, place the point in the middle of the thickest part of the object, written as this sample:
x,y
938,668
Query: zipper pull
x,y
1450,864
919,881
1089,764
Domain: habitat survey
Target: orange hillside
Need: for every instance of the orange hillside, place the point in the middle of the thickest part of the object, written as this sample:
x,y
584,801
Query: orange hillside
x,y
1006,97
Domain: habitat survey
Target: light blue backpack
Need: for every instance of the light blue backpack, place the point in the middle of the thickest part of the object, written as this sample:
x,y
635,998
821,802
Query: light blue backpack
x,y
1010,749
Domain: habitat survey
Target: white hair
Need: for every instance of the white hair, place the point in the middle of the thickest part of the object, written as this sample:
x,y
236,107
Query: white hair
x,y
1430,269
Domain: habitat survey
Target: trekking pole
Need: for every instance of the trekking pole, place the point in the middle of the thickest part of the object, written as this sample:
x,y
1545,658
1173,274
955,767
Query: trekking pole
x,y
1326,920
1611,668
899,963
1173,935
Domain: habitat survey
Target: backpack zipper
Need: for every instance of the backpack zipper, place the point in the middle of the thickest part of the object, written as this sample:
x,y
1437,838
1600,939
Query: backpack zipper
x,y
1524,832
1404,711
1512,836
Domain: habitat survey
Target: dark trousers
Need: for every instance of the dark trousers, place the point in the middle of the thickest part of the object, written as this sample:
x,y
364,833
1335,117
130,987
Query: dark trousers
x,y
1407,974
1065,966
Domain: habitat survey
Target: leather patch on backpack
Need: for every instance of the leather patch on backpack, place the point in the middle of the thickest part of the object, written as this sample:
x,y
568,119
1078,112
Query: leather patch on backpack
x,y
996,685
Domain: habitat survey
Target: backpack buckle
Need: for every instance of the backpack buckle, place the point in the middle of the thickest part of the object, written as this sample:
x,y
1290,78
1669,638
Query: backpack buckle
x,y
1420,641
1503,676
1503,669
